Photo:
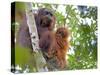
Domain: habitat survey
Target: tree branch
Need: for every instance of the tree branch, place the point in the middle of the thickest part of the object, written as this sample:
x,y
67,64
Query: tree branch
x,y
40,61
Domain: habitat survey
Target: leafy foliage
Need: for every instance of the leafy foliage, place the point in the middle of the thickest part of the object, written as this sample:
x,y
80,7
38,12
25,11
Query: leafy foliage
x,y
24,57
84,39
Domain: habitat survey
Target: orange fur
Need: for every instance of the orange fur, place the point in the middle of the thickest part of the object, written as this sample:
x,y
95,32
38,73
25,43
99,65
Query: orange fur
x,y
62,45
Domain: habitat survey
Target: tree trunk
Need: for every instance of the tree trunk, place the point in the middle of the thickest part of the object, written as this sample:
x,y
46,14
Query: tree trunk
x,y
40,61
